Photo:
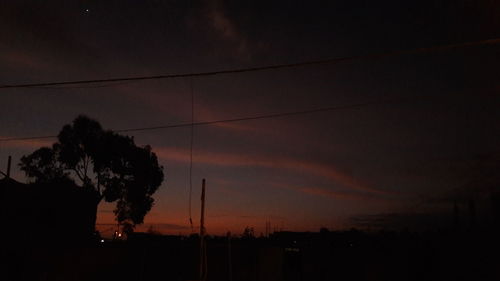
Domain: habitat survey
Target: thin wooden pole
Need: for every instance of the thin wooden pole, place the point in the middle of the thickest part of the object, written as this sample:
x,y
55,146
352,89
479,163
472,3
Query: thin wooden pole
x,y
229,258
203,254
8,166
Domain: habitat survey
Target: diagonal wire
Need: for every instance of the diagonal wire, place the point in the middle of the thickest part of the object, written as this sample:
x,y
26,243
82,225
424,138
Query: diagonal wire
x,y
230,120
266,67
247,118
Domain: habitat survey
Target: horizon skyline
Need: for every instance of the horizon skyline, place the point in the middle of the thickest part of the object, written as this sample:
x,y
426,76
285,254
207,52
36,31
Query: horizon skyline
x,y
436,134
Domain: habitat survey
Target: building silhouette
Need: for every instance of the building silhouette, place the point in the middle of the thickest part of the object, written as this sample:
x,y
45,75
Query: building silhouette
x,y
46,213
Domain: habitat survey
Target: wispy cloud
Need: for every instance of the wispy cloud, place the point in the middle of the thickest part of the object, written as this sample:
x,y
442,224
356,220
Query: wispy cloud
x,y
413,221
226,28
273,162
329,193
165,226
179,107
26,144
20,60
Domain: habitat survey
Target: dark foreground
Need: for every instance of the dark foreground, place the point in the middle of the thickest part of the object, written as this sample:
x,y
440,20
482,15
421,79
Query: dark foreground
x,y
350,255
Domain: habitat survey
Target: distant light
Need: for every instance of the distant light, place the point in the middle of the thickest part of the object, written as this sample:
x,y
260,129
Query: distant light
x,y
119,235
102,240
87,10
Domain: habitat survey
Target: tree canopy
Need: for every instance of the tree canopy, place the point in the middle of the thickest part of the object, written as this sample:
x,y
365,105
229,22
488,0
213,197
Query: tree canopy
x,y
107,163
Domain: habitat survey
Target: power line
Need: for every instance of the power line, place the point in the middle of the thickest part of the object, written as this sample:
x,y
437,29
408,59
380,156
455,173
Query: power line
x,y
204,123
260,68
110,84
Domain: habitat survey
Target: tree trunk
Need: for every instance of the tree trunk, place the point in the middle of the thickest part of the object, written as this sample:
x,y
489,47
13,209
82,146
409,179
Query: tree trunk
x,y
92,205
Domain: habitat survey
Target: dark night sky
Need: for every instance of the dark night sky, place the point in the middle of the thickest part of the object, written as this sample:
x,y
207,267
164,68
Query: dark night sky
x,y
301,172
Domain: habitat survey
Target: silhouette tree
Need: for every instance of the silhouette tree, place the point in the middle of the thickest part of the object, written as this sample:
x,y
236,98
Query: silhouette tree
x,y
105,163
248,233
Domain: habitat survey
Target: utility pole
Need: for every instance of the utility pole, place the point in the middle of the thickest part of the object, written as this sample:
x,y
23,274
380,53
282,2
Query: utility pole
x,y
229,258
203,247
8,166
268,228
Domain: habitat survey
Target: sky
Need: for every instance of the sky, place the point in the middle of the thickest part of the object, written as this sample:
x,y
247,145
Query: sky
x,y
332,169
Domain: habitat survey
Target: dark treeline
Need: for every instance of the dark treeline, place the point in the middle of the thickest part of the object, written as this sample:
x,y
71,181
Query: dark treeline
x,y
444,254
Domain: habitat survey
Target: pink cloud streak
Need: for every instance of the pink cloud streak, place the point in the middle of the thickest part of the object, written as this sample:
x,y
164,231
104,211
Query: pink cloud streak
x,y
225,159
26,144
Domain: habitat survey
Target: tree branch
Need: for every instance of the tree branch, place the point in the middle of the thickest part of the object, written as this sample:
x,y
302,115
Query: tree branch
x,y
99,183
78,174
85,166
